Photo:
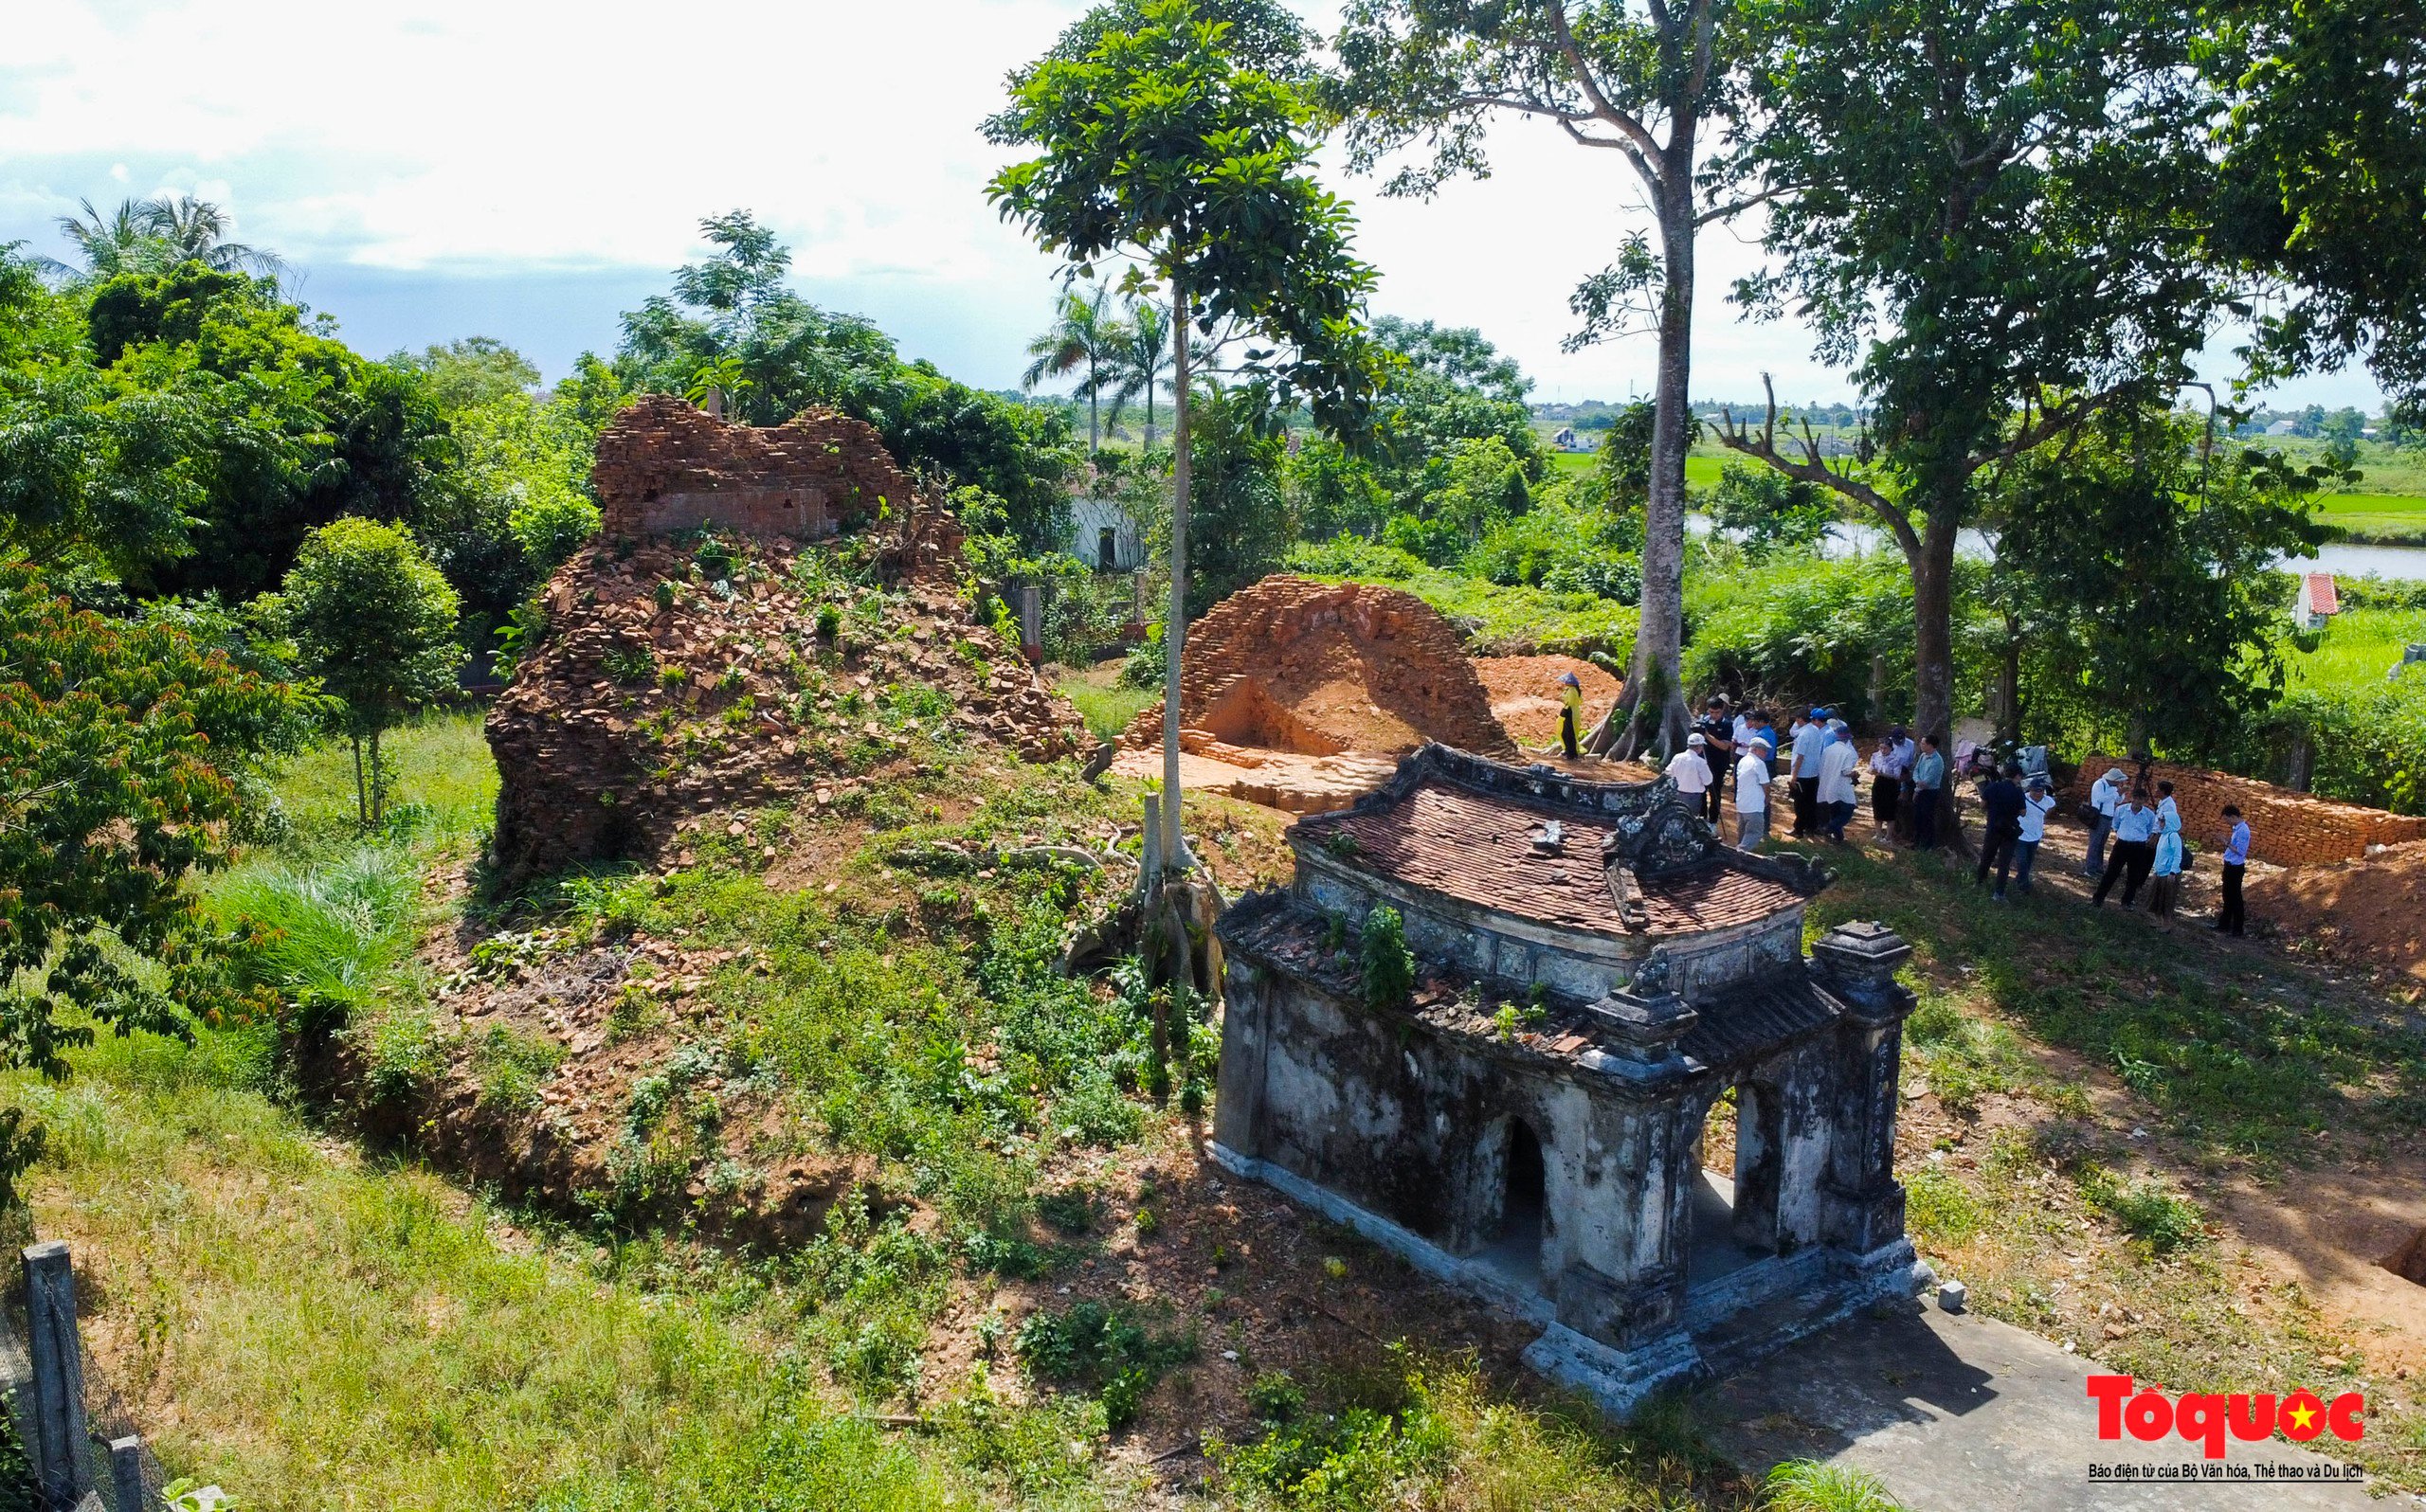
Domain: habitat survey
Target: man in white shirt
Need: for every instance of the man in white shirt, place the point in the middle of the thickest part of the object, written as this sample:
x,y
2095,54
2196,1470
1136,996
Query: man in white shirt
x,y
1810,740
1752,795
2105,798
2134,853
1839,790
2035,805
1689,770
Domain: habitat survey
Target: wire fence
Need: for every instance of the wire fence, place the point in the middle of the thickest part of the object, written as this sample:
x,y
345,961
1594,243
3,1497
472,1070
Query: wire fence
x,y
73,1442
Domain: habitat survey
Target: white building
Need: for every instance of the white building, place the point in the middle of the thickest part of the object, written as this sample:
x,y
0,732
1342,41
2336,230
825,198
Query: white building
x,y
1104,537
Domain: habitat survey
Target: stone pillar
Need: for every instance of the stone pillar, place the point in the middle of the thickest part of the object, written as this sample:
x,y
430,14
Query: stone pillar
x,y
1856,963
1140,602
59,1436
1630,1291
1246,1032
126,1474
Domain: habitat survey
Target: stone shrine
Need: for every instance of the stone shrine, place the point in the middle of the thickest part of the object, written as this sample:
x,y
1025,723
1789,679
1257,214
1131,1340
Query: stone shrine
x,y
1595,971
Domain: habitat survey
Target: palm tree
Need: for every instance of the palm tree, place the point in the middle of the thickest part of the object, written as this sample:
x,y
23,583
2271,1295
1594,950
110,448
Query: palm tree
x,y
197,230
1143,362
151,236
121,241
1083,334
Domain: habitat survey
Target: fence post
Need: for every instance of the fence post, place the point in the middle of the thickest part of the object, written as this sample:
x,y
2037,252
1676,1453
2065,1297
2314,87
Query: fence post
x,y
1140,593
1032,621
126,1472
59,1374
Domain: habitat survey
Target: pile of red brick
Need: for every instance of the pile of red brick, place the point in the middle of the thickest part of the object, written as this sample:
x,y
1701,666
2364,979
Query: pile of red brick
x,y
2286,828
1339,667
664,465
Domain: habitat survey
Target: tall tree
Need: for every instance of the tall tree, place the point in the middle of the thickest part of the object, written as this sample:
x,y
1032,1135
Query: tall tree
x,y
1159,145
1142,365
1990,211
1084,334
2134,568
1644,86
2324,182
375,621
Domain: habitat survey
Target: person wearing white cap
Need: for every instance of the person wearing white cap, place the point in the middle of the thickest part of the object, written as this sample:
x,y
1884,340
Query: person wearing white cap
x,y
2105,801
1689,770
1839,789
1570,712
1752,790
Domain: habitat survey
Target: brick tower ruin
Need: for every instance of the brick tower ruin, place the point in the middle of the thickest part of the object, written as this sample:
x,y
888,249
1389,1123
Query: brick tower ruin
x,y
664,465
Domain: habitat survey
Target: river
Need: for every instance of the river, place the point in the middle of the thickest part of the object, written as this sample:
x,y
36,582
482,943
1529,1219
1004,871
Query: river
x,y
2341,559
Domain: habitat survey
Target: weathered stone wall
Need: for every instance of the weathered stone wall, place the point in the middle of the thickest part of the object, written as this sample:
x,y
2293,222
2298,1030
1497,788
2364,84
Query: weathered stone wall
x,y
664,466
1370,668
2286,828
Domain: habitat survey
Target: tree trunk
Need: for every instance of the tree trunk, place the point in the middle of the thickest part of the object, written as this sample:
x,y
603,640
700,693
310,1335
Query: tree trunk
x,y
1094,430
2009,686
378,786
1933,657
1648,718
1175,626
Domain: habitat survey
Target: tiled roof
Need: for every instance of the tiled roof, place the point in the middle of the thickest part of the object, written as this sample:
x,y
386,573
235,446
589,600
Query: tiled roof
x,y
1477,848
1752,1021
2323,597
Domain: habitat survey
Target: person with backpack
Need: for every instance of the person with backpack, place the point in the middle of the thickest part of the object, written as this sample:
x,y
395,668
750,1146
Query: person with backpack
x,y
2133,853
2001,796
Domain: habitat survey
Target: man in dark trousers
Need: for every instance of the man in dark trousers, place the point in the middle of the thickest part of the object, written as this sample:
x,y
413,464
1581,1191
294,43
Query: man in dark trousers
x,y
1717,730
2134,851
2235,870
2002,798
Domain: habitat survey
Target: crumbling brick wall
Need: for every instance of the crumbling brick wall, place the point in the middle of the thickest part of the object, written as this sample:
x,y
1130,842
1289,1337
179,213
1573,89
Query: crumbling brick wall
x,y
664,465
1370,668
2286,828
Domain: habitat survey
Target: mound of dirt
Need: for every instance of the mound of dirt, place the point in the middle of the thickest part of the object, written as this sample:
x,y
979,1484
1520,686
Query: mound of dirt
x,y
1524,694
1322,668
673,681
2370,908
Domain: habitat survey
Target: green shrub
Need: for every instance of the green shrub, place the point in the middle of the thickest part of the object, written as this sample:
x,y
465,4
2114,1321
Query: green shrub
x,y
1939,1209
1388,966
511,1064
2147,1209
1100,1348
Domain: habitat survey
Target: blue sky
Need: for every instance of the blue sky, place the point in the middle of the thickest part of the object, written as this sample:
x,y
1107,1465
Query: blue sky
x,y
451,168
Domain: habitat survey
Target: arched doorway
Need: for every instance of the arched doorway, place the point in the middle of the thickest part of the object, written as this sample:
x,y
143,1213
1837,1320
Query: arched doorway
x,y
1513,1244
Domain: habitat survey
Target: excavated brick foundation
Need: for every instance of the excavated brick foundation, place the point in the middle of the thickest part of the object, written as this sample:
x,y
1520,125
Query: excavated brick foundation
x,y
2286,828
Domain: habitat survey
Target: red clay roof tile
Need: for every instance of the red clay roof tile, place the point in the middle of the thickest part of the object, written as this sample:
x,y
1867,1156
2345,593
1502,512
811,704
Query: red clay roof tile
x,y
1477,848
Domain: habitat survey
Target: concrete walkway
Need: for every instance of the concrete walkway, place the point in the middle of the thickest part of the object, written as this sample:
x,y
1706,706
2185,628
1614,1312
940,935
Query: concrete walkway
x,y
1962,1413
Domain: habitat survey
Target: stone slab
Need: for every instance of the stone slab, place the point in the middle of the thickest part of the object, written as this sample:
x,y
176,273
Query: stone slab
x,y
1963,1414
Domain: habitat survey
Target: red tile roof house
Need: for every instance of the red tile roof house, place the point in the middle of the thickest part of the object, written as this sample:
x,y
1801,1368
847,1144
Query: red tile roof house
x,y
1594,970
2318,601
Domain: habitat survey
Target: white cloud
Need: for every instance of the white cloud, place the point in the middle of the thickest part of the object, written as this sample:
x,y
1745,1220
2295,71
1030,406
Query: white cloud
x,y
503,137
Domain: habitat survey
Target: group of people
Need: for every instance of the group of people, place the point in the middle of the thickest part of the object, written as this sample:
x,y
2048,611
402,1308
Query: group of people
x,y
2139,842
1742,752
2135,837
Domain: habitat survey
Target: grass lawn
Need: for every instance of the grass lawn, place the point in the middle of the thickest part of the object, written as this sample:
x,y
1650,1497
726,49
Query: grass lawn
x,y
1103,700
